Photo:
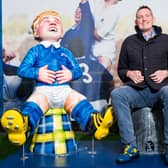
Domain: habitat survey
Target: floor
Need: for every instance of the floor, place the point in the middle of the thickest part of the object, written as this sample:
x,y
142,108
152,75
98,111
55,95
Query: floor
x,y
91,154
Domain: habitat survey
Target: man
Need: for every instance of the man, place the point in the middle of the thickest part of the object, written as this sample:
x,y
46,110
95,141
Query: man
x,y
106,15
96,82
143,68
13,86
82,29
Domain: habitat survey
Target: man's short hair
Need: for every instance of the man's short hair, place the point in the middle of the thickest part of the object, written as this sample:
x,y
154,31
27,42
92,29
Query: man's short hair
x,y
144,7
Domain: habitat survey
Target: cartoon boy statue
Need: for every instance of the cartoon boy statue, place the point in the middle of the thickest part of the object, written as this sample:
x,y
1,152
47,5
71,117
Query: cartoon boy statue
x,y
52,67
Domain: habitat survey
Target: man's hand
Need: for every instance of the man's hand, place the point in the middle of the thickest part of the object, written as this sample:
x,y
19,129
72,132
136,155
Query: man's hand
x,y
159,76
135,76
97,36
63,75
7,55
84,1
45,75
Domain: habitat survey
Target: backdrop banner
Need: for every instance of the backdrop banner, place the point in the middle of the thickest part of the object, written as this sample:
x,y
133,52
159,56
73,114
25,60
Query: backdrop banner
x,y
97,80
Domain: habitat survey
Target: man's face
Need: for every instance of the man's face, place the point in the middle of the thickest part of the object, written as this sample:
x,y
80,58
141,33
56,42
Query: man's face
x,y
144,20
78,15
49,28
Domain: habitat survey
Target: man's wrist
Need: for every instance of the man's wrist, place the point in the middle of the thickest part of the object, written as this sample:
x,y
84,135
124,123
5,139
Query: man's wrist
x,y
127,73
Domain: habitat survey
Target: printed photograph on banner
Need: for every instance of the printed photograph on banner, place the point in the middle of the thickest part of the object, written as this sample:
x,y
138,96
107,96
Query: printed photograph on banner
x,y
92,30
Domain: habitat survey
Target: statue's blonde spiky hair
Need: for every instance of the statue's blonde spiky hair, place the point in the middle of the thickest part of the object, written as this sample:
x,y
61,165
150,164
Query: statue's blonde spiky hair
x,y
38,18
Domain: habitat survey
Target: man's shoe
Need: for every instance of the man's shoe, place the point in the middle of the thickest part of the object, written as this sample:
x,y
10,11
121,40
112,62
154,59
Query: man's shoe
x,y
166,156
100,123
130,152
15,125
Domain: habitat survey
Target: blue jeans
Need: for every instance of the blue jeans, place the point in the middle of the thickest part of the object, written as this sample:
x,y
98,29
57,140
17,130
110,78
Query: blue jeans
x,y
126,98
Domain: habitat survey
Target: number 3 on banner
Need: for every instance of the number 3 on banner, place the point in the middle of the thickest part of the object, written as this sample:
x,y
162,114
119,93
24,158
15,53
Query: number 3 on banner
x,y
87,77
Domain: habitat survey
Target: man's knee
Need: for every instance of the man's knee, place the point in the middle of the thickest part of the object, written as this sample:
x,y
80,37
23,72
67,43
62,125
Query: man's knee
x,y
119,92
164,91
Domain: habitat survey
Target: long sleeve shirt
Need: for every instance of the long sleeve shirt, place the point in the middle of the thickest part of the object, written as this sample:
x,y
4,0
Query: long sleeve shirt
x,y
83,31
40,55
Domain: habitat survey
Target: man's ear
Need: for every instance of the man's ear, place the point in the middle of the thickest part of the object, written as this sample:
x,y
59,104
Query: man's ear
x,y
154,19
135,22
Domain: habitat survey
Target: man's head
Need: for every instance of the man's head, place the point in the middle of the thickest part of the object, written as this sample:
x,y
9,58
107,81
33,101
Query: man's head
x,y
112,1
144,19
47,26
78,15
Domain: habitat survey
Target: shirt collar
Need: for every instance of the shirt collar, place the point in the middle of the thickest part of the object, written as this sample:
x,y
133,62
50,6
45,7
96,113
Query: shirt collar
x,y
49,43
150,35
